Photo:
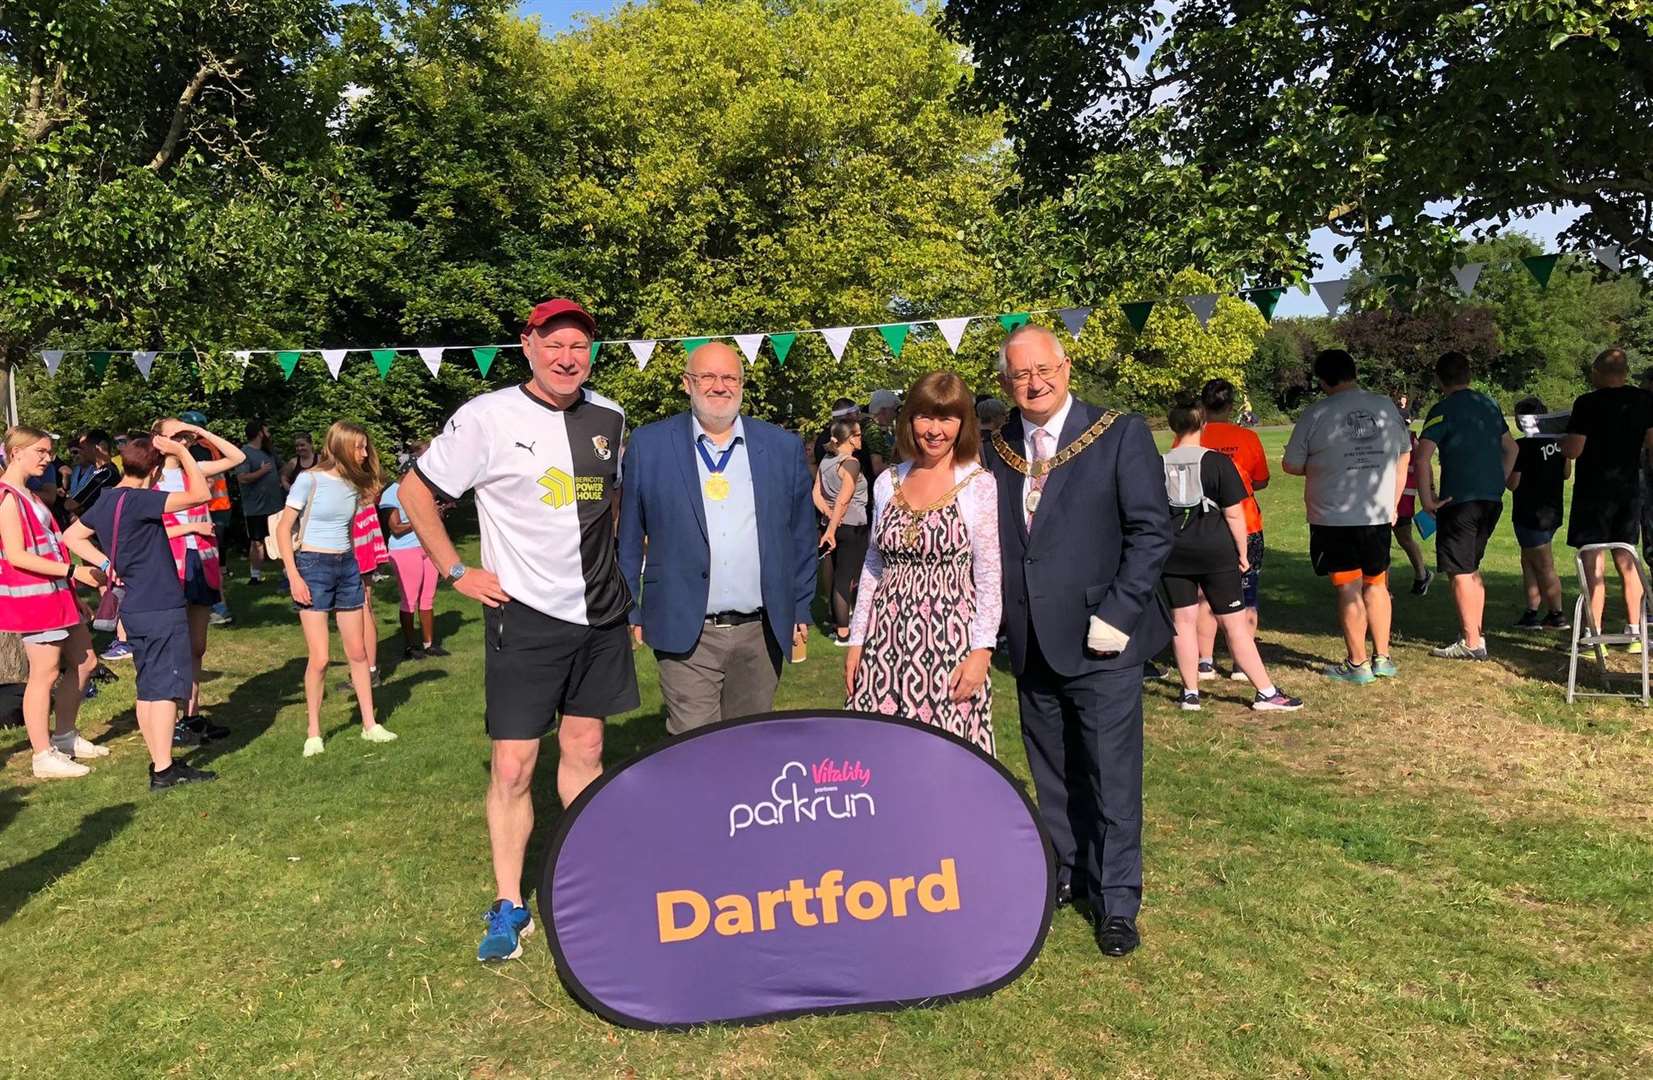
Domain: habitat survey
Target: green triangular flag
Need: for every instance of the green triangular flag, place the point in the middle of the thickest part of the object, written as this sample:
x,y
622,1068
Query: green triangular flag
x,y
1137,313
595,346
1540,267
484,359
100,362
1012,320
1266,300
895,336
289,360
691,344
384,358
782,344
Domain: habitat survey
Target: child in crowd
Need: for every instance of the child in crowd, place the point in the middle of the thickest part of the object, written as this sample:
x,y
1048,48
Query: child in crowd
x,y
1209,557
416,575
1540,473
128,522
37,602
323,574
195,553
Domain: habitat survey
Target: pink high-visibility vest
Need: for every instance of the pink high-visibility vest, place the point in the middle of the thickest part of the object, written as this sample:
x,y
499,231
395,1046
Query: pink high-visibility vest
x,y
205,546
30,603
368,540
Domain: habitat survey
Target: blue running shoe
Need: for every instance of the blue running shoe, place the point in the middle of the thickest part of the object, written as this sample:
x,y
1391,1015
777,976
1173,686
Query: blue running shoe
x,y
508,924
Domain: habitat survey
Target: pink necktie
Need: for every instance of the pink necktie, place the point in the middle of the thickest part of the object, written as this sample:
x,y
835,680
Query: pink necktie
x,y
1041,451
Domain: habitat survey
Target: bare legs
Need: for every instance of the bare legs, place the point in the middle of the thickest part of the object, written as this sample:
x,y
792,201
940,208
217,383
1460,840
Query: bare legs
x,y
1364,608
1470,596
1597,584
510,806
1539,576
317,643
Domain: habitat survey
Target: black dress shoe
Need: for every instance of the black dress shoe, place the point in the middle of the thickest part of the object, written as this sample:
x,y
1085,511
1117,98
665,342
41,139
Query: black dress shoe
x,y
1064,893
1116,935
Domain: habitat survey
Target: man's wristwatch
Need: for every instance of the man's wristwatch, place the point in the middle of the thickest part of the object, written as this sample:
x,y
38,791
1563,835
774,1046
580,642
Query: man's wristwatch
x,y
456,571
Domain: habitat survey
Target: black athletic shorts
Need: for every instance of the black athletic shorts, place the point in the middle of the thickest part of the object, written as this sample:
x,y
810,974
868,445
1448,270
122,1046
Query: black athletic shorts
x,y
1339,549
257,526
1461,534
1223,590
539,668
1604,521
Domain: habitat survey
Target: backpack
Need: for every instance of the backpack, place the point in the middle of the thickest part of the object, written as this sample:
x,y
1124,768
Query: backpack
x,y
1183,486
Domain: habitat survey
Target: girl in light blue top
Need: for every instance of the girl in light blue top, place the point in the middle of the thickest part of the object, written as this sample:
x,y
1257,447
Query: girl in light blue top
x,y
322,574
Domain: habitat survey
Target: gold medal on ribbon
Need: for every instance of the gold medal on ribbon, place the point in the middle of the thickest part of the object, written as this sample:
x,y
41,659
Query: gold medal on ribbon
x,y
717,487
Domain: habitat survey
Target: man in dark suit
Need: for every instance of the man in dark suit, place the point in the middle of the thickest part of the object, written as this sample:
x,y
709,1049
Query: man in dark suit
x,y
717,540
1084,528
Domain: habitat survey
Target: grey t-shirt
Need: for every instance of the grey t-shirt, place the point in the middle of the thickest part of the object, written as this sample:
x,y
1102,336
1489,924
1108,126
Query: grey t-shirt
x,y
1350,444
832,479
264,495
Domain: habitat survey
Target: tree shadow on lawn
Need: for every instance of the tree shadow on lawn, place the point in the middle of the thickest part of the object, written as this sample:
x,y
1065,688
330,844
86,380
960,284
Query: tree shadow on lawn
x,y
251,708
19,883
395,693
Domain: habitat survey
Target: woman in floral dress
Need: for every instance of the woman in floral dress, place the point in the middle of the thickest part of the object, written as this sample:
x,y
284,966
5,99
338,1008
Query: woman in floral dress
x,y
927,614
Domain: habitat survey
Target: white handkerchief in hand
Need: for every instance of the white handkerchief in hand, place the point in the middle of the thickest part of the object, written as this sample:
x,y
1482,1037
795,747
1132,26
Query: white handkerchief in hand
x,y
1104,639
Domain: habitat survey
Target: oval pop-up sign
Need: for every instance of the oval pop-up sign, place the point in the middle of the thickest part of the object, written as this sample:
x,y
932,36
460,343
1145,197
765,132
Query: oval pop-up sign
x,y
796,863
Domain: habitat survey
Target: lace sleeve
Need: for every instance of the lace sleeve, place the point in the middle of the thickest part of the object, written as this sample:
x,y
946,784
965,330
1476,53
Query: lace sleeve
x,y
872,568
984,558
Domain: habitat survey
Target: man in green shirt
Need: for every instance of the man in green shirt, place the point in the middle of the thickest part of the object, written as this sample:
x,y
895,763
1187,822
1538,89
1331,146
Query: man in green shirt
x,y
1469,432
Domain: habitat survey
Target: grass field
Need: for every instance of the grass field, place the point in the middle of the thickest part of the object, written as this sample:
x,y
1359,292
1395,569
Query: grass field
x,y
1449,874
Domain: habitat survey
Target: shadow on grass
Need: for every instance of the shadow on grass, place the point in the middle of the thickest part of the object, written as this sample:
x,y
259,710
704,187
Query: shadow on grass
x,y
21,882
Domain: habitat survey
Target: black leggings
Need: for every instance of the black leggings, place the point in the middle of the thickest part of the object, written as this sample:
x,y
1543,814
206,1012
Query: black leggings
x,y
847,558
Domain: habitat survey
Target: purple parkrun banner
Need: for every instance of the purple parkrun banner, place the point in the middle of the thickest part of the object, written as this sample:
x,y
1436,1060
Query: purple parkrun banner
x,y
793,863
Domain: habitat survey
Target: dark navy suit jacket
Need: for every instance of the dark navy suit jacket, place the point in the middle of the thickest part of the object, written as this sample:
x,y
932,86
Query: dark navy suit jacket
x,y
1099,540
661,501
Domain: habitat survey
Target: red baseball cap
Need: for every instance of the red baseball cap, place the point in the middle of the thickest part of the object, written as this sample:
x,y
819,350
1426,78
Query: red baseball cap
x,y
550,309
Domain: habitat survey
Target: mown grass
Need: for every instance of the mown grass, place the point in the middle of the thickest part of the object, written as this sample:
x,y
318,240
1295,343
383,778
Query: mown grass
x,y
1448,875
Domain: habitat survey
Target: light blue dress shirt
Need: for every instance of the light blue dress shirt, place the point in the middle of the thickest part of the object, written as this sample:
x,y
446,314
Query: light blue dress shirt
x,y
736,581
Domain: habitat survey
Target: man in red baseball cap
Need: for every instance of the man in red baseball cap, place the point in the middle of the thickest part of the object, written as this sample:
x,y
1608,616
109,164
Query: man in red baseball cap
x,y
544,461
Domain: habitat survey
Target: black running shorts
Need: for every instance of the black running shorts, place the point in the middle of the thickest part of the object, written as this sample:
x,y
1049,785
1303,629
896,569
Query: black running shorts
x,y
539,668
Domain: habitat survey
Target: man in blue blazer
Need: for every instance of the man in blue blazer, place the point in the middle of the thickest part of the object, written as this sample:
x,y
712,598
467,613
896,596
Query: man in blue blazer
x,y
1084,528
717,543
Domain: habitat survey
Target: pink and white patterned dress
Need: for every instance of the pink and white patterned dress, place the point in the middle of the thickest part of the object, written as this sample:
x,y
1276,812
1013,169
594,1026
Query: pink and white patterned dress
x,y
929,594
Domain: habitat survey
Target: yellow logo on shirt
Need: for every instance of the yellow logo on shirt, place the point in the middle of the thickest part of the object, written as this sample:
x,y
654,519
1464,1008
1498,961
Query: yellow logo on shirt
x,y
562,489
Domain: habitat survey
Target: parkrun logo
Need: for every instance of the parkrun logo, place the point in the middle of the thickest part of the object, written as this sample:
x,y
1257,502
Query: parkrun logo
x,y
863,900
788,802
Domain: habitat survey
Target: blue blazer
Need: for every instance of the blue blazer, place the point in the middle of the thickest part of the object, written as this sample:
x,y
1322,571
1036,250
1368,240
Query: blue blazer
x,y
1098,542
660,502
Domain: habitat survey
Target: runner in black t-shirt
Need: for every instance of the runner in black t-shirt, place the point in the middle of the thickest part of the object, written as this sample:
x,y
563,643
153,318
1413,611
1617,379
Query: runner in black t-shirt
x,y
1608,434
1209,556
1539,476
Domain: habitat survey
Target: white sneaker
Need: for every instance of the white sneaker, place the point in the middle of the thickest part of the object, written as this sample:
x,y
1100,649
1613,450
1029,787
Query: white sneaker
x,y
52,765
73,745
1238,676
313,746
378,733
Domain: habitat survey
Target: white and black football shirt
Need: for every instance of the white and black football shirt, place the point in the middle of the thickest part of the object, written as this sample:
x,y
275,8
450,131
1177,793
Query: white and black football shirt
x,y
547,491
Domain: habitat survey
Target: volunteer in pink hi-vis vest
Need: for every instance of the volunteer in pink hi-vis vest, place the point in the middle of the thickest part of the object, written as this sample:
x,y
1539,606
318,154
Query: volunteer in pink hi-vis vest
x,y
195,553
367,537
37,602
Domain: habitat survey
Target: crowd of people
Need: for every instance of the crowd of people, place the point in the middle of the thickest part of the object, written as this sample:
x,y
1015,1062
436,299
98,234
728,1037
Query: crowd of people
x,y
944,528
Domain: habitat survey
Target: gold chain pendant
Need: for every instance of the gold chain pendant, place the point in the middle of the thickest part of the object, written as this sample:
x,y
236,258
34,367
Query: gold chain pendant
x,y
1037,469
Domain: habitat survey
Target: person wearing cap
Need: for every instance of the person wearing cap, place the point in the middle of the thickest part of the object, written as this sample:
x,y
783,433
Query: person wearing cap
x,y
879,436
723,504
543,458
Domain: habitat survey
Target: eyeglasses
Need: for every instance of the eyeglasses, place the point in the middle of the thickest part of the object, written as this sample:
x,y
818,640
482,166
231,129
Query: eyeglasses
x,y
557,348
707,380
1046,372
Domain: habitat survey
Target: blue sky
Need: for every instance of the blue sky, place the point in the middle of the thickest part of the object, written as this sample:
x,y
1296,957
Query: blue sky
x,y
558,15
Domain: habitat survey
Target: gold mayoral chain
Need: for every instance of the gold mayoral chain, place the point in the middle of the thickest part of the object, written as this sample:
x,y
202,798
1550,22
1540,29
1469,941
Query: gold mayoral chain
x,y
916,513
1036,469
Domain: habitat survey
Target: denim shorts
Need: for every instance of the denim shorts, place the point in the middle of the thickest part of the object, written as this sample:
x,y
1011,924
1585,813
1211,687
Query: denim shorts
x,y
1533,538
334,581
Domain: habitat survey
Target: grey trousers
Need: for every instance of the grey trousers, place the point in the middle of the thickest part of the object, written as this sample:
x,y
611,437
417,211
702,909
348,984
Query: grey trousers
x,y
731,672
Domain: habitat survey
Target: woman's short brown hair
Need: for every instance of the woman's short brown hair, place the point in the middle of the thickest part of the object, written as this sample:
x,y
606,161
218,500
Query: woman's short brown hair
x,y
939,394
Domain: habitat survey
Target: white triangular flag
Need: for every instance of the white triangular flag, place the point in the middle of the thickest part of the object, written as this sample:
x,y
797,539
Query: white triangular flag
x,y
432,356
53,358
952,331
1609,257
837,338
243,355
641,351
749,345
144,360
334,359
1202,306
1467,275
1074,319
1331,293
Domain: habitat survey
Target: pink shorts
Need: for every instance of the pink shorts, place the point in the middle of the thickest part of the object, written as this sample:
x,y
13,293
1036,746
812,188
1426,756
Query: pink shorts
x,y
416,576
